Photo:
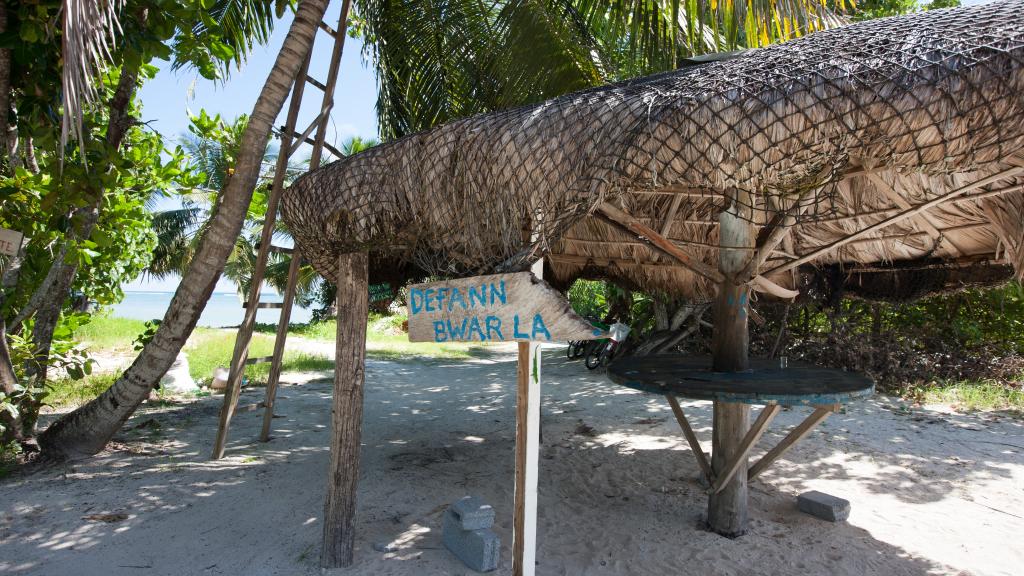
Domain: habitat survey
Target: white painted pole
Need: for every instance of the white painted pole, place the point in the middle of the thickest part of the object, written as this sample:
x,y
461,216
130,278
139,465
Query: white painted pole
x,y
532,462
524,527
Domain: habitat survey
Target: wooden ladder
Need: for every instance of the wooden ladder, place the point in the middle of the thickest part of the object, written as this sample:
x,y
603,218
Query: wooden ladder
x,y
291,140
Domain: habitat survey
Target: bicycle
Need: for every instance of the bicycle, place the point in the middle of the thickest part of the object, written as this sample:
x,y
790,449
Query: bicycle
x,y
604,353
580,348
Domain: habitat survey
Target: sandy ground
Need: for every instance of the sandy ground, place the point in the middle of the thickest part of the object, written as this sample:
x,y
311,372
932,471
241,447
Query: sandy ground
x,y
933,492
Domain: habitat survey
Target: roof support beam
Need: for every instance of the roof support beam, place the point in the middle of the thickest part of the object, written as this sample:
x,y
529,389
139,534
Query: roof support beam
x,y
948,197
777,230
930,225
605,262
630,223
670,216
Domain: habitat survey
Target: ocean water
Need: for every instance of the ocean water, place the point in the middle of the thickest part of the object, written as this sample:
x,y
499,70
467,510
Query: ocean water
x,y
223,309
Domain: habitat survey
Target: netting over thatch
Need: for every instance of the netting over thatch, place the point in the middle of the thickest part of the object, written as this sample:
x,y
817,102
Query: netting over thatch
x,y
840,130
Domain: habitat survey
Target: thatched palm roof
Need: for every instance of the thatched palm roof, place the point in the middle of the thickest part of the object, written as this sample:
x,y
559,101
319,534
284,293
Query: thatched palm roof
x,y
838,130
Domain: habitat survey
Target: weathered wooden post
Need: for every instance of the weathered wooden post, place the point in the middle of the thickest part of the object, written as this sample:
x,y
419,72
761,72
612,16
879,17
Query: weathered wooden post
x,y
727,509
347,411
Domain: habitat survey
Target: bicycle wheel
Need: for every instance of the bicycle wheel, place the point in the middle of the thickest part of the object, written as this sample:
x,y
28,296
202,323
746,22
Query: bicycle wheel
x,y
593,359
576,349
608,354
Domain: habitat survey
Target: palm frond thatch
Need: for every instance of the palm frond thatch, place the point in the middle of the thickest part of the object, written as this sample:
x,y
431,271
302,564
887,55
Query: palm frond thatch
x,y
854,125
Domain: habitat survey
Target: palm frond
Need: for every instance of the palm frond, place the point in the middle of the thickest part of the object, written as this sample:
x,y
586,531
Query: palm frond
x,y
231,28
439,60
89,30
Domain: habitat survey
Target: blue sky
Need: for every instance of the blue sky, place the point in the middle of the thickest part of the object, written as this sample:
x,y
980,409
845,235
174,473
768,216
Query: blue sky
x,y
168,98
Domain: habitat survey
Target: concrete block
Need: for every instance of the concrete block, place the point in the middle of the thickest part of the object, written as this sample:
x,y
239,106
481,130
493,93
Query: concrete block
x,y
478,549
473,513
824,506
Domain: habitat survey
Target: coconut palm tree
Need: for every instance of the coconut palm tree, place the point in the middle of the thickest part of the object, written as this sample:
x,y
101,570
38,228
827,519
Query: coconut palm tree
x,y
87,430
179,229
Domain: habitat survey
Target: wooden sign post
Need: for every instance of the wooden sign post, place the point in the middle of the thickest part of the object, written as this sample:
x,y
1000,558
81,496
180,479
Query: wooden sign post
x,y
505,307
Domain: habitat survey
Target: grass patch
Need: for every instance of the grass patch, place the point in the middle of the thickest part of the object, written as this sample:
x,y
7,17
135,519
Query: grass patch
x,y
68,392
385,340
209,348
106,333
311,331
206,349
397,347
983,395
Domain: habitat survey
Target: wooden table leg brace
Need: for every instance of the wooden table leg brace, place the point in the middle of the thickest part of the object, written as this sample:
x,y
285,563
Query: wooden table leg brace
x,y
770,411
698,452
795,435
722,477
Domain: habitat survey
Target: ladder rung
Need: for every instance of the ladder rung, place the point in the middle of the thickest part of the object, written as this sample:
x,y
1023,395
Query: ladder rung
x,y
304,136
327,28
276,249
337,153
258,360
272,305
316,83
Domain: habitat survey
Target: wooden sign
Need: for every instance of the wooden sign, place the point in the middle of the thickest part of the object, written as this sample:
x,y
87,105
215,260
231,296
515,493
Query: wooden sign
x,y
10,242
498,308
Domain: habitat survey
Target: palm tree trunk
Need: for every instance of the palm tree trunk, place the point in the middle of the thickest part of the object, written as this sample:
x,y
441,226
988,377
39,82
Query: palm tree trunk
x,y
88,429
11,425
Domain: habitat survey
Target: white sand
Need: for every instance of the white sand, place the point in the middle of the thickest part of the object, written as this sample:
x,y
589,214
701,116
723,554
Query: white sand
x,y
933,492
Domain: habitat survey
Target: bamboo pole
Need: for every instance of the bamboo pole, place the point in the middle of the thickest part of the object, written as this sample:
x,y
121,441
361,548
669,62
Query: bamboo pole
x,y
347,411
320,124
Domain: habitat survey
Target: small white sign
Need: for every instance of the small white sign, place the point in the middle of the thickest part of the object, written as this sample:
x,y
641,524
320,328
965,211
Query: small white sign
x,y
10,242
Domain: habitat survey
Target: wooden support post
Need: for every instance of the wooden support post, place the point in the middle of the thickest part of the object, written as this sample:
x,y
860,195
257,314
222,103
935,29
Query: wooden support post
x,y
347,411
524,521
698,452
727,508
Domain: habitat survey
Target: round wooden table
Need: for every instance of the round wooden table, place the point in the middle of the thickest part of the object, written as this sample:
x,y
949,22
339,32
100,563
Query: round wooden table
x,y
766,383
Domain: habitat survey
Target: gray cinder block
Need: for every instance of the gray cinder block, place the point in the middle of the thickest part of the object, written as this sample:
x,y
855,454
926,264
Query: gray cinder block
x,y
478,549
824,506
473,513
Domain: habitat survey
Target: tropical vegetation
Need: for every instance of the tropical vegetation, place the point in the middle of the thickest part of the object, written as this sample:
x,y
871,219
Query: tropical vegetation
x,y
81,172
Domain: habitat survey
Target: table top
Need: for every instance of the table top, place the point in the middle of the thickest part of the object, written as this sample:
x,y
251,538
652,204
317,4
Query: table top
x,y
764,383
